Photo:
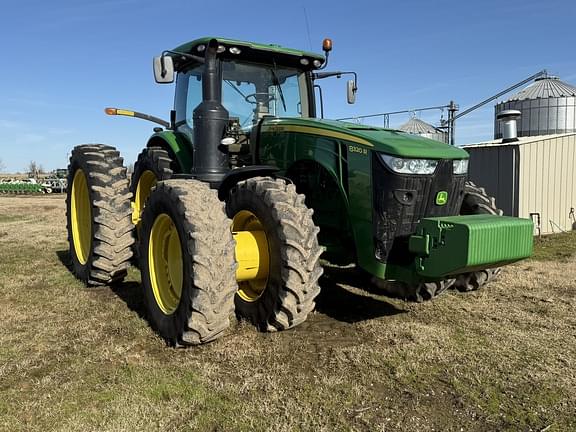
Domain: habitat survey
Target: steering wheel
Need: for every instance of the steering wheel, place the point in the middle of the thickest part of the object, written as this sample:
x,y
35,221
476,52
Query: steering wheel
x,y
269,97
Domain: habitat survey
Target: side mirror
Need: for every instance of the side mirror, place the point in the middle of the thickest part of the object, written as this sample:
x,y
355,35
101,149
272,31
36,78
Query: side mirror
x,y
163,69
351,93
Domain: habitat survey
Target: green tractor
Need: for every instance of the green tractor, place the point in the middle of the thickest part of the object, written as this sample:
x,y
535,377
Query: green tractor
x,y
233,201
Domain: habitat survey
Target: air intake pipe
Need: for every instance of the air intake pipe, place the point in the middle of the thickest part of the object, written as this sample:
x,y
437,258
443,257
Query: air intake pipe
x,y
508,119
210,118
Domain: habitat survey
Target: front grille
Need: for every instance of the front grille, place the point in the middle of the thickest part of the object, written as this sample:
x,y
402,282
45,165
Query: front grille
x,y
401,200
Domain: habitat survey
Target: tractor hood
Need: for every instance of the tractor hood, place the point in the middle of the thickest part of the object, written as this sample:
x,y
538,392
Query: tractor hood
x,y
382,140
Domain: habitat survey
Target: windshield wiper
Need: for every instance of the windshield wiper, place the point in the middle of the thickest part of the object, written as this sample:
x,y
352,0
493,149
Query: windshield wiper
x,y
231,84
276,82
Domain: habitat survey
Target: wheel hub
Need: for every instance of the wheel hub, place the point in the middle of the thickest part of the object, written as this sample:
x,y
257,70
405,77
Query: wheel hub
x,y
252,255
81,217
145,184
165,263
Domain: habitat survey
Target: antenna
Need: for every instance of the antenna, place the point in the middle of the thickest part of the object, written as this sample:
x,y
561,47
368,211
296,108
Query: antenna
x,y
307,27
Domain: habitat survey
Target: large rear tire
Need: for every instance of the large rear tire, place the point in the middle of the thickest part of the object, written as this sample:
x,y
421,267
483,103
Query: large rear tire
x,y
477,201
100,232
187,263
283,295
154,164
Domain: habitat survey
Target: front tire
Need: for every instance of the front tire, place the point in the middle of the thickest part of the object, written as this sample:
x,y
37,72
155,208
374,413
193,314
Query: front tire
x,y
425,291
283,296
187,263
418,292
100,232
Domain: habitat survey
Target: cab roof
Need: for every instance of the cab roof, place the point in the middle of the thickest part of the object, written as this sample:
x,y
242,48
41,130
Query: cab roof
x,y
253,51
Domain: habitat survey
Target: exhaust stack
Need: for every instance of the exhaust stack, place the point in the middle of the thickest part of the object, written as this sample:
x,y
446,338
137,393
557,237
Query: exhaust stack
x,y
509,129
210,120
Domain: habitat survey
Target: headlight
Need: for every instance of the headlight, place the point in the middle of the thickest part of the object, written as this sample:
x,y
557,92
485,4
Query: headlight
x,y
409,166
460,166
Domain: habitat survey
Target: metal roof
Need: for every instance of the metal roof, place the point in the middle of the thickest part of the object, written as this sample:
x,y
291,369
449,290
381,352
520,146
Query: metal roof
x,y
189,47
521,141
417,126
545,87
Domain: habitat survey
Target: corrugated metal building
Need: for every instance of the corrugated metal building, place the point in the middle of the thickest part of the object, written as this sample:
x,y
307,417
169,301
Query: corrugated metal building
x,y
533,177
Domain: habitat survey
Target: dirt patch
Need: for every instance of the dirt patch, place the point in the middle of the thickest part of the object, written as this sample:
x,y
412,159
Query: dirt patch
x,y
74,358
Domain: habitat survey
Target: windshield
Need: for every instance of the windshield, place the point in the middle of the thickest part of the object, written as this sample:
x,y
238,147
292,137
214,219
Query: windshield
x,y
251,91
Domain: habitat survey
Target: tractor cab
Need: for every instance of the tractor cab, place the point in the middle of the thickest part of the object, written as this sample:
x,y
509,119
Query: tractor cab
x,y
225,89
256,80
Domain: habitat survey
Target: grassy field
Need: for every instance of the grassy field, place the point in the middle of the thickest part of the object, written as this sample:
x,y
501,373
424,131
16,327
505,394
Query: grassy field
x,y
78,359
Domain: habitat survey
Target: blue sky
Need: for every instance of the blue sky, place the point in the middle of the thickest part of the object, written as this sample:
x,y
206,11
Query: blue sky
x,y
64,61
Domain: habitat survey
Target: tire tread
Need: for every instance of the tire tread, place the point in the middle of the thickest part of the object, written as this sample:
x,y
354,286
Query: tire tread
x,y
211,246
300,254
112,235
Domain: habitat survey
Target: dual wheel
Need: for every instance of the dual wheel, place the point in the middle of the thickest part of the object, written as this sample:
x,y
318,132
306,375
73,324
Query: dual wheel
x,y
196,270
200,259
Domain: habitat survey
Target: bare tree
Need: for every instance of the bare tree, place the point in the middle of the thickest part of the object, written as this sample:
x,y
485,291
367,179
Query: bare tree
x,y
2,166
35,169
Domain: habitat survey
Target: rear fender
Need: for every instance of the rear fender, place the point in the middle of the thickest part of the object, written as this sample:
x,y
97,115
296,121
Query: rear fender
x,y
243,173
178,147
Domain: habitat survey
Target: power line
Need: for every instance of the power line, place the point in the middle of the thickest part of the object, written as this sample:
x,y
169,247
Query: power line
x,y
307,27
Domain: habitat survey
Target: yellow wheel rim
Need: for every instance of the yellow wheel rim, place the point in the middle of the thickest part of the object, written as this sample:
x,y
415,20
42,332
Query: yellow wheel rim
x,y
252,255
81,217
165,263
145,184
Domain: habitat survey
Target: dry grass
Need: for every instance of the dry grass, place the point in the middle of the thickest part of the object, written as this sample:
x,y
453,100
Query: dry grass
x,y
73,358
555,247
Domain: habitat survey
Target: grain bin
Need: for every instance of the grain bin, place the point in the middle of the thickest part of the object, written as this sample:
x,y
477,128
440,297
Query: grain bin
x,y
548,107
416,126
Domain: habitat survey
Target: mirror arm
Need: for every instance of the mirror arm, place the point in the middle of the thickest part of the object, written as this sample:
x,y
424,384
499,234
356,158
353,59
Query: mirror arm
x,y
337,74
184,56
